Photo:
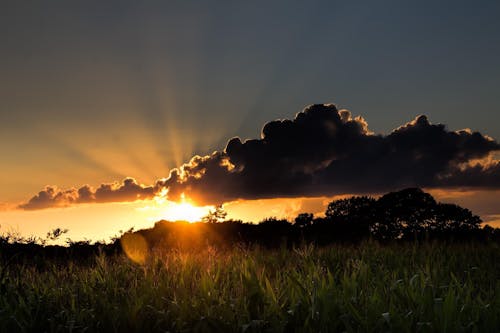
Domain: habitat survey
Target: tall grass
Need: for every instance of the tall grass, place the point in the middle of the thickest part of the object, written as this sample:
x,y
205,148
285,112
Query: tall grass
x,y
368,288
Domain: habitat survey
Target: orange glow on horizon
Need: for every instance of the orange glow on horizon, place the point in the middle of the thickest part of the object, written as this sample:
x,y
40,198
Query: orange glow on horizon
x,y
105,220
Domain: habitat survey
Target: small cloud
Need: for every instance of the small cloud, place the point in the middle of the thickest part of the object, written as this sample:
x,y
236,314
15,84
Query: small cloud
x,y
51,196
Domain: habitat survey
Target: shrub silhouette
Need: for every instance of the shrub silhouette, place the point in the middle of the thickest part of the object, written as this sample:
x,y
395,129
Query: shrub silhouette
x,y
216,215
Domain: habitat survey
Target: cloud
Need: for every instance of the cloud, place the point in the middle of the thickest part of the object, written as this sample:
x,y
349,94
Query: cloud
x,y
484,175
324,151
321,152
128,190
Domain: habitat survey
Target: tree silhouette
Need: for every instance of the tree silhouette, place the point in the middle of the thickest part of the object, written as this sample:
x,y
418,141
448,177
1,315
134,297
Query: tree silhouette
x,y
304,219
354,209
451,217
405,213
216,215
352,217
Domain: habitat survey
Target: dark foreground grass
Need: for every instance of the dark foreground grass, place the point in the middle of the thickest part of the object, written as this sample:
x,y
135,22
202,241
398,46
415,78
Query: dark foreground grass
x,y
366,288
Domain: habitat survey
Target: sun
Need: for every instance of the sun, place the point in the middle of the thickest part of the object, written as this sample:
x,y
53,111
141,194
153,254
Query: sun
x,y
185,211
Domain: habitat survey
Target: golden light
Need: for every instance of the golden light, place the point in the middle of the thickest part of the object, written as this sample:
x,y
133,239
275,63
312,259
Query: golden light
x,y
184,211
160,208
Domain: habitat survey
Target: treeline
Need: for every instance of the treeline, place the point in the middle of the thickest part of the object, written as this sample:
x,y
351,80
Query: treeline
x,y
39,253
406,215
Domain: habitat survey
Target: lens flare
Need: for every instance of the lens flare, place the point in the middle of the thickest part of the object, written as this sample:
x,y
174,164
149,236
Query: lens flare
x,y
135,247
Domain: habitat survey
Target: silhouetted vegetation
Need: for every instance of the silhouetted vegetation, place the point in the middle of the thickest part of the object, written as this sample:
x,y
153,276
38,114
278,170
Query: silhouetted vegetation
x,y
399,263
406,215
215,215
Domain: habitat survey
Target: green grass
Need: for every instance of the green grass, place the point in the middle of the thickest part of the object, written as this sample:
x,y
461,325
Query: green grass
x,y
367,288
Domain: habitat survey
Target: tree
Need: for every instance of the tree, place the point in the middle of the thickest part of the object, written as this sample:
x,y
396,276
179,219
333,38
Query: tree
x,y
274,222
404,213
54,234
215,215
352,217
304,219
453,218
352,209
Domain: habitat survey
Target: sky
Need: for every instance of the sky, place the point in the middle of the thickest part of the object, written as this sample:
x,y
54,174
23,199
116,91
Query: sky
x,y
94,92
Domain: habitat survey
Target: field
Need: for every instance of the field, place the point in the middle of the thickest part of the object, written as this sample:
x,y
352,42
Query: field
x,y
408,287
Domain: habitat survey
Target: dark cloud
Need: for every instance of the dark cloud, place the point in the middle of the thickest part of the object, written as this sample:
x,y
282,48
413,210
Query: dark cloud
x,y
128,190
484,175
323,151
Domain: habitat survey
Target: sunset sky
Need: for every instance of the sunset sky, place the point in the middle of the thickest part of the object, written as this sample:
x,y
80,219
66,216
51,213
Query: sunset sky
x,y
122,92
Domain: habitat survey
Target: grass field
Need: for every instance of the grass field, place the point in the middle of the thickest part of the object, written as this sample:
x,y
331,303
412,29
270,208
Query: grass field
x,y
433,287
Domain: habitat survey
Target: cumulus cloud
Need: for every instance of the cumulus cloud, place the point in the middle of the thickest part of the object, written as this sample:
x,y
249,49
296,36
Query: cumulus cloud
x,y
322,151
51,196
